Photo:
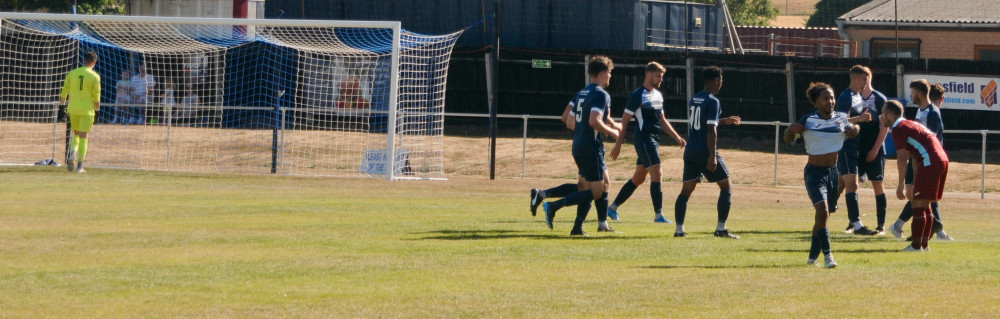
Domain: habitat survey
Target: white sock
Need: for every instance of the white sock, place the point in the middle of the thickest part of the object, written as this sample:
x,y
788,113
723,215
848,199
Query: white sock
x,y
659,215
604,224
613,207
680,228
900,223
722,226
858,225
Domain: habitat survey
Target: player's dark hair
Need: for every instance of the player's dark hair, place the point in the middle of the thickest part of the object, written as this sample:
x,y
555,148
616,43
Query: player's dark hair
x,y
921,85
815,89
937,92
894,107
861,70
655,67
711,73
598,64
89,57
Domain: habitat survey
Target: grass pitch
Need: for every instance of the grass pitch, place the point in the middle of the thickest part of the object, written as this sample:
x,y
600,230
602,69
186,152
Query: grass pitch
x,y
118,243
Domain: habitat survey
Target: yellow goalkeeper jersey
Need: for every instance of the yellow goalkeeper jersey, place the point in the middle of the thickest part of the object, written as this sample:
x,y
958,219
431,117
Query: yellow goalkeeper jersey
x,y
83,86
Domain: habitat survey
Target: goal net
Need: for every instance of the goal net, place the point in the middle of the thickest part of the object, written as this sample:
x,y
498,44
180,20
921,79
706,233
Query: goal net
x,y
326,98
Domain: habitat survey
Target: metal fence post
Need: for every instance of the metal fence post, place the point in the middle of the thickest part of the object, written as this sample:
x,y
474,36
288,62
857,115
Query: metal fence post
x,y
777,127
790,90
982,186
689,75
524,144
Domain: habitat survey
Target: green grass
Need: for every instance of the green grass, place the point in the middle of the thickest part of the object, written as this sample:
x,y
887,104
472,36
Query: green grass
x,y
116,244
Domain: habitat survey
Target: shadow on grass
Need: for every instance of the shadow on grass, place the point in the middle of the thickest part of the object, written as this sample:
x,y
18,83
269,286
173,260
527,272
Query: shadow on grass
x,y
773,232
805,250
449,234
724,266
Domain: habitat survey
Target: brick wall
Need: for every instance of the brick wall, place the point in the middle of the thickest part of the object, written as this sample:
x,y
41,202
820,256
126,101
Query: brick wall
x,y
935,44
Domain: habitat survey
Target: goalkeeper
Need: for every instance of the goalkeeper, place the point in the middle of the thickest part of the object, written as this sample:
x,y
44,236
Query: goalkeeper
x,y
83,86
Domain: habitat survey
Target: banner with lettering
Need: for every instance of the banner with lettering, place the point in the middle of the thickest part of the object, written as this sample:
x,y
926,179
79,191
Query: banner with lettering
x,y
962,92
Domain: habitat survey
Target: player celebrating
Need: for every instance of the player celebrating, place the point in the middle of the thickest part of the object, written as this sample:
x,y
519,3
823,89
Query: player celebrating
x,y
83,86
930,116
646,105
701,156
863,155
930,168
824,132
592,115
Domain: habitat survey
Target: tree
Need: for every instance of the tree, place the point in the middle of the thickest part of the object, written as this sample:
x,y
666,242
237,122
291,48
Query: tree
x,y
752,12
65,6
827,11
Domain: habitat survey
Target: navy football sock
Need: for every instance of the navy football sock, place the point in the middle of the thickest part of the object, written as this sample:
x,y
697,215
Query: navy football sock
x,y
725,202
624,194
907,212
602,207
824,240
581,214
656,193
937,215
680,208
573,199
880,209
560,191
815,247
853,211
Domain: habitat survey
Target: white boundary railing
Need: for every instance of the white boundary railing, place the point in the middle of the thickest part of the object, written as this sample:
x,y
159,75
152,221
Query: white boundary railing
x,y
777,138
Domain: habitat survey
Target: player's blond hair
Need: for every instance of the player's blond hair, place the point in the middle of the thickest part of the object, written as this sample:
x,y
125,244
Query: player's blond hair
x,y
655,67
861,70
921,86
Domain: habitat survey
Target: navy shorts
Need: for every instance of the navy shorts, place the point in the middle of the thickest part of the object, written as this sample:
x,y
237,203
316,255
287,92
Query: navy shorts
x,y
647,149
591,165
695,169
822,185
850,160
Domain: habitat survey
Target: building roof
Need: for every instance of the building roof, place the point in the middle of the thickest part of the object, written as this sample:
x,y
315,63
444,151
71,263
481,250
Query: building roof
x,y
938,12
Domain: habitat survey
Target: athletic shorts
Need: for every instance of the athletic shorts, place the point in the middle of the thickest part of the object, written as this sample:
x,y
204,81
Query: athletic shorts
x,y
822,184
591,165
908,179
852,161
928,182
81,122
647,149
695,169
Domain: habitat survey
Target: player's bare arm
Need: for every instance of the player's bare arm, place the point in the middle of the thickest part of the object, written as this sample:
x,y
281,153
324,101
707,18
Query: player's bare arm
x,y
615,151
793,131
711,137
853,131
862,118
732,120
597,122
567,117
882,132
669,129
901,158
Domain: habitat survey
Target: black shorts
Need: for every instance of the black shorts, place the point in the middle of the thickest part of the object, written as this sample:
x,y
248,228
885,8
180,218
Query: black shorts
x,y
822,184
647,149
695,169
591,165
851,160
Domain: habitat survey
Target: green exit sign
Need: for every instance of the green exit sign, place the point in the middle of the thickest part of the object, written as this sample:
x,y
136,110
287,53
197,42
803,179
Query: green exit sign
x,y
541,64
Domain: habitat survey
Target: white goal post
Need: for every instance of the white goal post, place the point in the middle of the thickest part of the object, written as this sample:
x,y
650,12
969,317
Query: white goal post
x,y
295,97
